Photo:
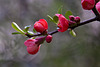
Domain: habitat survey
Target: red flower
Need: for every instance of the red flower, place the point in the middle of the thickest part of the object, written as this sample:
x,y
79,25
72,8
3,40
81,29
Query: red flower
x,y
63,23
32,47
41,25
98,6
88,4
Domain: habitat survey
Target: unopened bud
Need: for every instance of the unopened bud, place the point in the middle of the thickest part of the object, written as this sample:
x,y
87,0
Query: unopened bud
x,y
77,19
48,38
71,18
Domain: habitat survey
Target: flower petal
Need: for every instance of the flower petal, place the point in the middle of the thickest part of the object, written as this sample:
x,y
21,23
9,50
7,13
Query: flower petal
x,y
39,27
63,23
30,42
44,23
33,49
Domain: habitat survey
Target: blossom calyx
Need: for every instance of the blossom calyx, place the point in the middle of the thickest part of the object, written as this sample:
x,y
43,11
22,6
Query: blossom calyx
x,y
40,40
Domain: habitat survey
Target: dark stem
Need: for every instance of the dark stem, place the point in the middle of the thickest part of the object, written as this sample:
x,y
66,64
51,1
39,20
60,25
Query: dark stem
x,y
53,32
38,34
96,1
95,11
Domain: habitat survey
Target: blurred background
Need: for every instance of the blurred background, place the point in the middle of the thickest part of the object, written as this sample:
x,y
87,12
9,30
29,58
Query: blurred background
x,y
63,51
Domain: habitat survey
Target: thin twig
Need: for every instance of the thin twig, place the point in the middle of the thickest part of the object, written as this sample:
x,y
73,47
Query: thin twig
x,y
53,32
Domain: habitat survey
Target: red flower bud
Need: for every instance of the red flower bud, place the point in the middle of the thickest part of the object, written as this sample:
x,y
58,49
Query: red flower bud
x,y
98,6
88,4
63,23
71,18
33,49
41,26
77,19
48,38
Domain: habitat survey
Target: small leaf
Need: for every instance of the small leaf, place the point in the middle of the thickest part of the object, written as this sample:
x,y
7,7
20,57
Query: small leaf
x,y
51,19
26,28
33,38
17,28
30,32
55,19
14,33
67,14
34,31
73,33
60,10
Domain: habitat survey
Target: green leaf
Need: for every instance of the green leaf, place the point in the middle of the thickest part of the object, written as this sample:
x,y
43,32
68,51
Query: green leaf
x,y
30,32
73,33
14,33
67,14
51,19
55,19
60,10
34,31
33,38
26,28
17,28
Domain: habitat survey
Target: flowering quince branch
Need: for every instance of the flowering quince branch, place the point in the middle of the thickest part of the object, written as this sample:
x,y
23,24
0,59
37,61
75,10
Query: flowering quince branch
x,y
67,22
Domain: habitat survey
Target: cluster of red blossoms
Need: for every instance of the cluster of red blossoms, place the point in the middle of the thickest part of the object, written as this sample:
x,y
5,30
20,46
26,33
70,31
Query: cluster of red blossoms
x,y
33,45
89,4
41,26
